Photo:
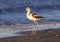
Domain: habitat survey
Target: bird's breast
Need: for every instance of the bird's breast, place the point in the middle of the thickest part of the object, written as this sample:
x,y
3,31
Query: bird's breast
x,y
30,17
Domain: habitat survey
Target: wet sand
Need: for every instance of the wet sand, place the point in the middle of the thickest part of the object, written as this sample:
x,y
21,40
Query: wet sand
x,y
52,35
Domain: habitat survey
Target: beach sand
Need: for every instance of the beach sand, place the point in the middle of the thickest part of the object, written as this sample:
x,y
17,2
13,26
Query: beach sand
x,y
52,35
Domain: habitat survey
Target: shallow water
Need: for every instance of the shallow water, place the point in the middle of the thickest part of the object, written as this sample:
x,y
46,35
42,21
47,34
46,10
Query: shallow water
x,y
4,35
14,12
51,15
8,31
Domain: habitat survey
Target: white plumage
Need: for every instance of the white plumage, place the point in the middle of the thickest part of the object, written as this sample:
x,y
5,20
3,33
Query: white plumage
x,y
33,17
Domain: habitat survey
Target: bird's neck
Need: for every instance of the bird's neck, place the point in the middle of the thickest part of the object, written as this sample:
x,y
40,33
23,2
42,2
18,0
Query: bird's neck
x,y
28,12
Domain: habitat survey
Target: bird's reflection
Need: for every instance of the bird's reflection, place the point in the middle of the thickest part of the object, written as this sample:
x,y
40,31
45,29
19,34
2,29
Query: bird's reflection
x,y
34,31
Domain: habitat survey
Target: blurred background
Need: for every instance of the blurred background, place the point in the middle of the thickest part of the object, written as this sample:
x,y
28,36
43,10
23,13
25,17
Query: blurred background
x,y
13,11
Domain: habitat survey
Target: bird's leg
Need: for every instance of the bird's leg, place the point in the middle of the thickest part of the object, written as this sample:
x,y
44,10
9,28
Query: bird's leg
x,y
36,23
34,28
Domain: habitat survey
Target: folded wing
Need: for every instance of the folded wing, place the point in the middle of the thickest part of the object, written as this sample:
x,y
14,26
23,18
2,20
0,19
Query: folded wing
x,y
37,16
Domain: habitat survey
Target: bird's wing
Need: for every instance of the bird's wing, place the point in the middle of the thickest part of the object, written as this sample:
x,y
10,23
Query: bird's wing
x,y
37,16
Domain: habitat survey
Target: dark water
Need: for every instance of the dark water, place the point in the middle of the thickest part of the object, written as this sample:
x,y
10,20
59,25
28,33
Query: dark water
x,y
13,11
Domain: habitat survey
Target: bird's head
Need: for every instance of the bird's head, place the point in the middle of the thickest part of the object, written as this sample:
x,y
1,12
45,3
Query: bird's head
x,y
27,8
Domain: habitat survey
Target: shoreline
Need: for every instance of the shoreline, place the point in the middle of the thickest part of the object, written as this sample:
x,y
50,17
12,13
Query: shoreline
x,y
45,35
33,23
41,36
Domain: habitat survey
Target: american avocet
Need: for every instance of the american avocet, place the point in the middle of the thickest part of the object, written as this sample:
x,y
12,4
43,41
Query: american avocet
x,y
33,17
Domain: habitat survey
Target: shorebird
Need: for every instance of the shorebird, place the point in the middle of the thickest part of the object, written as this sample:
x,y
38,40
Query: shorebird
x,y
34,17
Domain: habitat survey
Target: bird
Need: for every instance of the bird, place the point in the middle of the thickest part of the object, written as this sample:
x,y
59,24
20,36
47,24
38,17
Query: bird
x,y
33,17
